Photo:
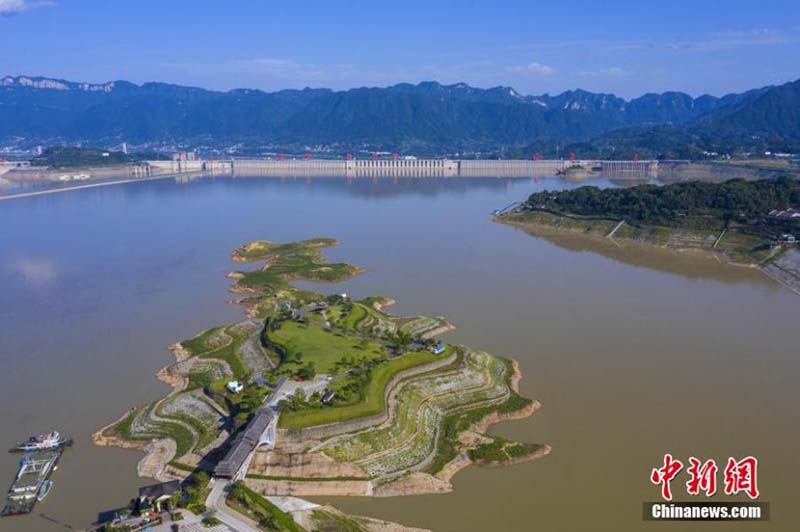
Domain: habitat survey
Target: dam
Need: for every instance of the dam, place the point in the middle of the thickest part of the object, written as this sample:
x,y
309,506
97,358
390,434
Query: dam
x,y
399,167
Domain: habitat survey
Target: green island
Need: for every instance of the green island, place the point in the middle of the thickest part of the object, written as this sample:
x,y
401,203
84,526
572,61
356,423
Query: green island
x,y
367,402
752,223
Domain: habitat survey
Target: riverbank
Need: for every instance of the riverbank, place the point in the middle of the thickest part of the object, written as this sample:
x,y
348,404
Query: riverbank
x,y
739,249
785,269
82,185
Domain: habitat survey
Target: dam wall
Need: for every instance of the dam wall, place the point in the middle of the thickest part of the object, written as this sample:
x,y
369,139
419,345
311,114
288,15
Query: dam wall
x,y
402,167
512,167
286,168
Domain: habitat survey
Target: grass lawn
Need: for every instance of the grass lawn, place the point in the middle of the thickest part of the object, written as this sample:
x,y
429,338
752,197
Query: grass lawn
x,y
184,440
321,346
267,515
356,314
200,343
228,353
373,401
262,249
329,521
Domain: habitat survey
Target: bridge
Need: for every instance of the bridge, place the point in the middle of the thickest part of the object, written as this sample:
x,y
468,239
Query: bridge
x,y
259,432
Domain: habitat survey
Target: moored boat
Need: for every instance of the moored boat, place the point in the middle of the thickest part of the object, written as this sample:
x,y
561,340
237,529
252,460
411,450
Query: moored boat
x,y
44,490
43,442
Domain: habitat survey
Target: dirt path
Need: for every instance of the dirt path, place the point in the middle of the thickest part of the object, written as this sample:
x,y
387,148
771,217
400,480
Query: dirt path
x,y
158,455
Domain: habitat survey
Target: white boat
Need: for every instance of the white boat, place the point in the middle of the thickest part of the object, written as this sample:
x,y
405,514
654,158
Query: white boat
x,y
43,442
44,490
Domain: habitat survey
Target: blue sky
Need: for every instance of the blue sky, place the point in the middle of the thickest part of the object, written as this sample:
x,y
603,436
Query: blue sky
x,y
624,47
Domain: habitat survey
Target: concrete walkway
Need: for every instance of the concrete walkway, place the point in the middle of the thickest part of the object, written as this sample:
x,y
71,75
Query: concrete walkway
x,y
616,228
292,504
232,519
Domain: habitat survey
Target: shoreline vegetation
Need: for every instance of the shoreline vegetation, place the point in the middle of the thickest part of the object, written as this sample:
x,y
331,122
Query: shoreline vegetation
x,y
269,516
375,405
748,223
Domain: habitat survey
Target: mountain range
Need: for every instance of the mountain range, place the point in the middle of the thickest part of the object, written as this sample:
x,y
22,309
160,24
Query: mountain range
x,y
426,118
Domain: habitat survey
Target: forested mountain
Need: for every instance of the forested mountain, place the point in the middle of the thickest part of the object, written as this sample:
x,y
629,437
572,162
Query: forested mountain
x,y
771,113
671,204
428,117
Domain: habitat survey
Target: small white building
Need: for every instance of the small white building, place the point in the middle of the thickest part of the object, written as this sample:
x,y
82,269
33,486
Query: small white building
x,y
234,386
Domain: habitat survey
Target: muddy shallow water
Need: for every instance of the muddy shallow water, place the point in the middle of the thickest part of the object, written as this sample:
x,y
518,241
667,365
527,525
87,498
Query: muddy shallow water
x,y
633,352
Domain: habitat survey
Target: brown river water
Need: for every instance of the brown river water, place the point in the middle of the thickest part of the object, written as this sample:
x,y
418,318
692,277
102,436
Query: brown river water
x,y
633,351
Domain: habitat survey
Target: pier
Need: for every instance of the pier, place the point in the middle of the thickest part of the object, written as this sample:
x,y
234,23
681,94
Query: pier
x,y
34,470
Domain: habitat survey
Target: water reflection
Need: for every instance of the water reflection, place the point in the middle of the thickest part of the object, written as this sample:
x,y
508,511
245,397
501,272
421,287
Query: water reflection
x,y
689,264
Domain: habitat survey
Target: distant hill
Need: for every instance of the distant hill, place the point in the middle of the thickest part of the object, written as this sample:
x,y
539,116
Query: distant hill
x,y
755,121
427,117
772,113
72,157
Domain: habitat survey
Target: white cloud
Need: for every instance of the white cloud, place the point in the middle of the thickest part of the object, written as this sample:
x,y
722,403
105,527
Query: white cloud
x,y
14,7
723,40
610,72
734,39
34,269
535,68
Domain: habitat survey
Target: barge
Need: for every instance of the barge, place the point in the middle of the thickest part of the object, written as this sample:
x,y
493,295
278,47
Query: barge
x,y
32,481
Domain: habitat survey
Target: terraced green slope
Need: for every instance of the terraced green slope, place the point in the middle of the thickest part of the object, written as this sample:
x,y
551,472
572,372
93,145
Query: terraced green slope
x,y
398,405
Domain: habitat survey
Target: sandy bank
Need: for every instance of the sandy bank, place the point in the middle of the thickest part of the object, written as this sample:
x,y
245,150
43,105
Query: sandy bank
x,y
103,437
382,304
444,328
158,454
314,518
